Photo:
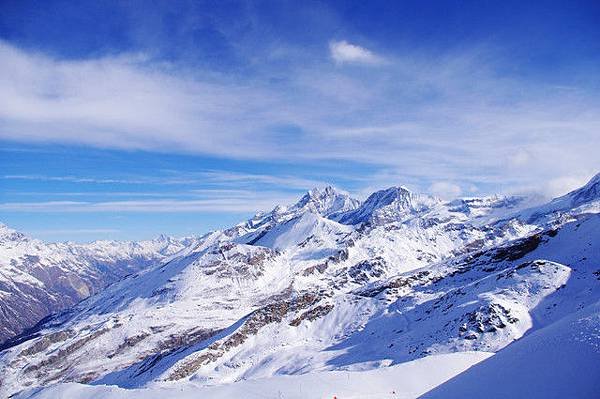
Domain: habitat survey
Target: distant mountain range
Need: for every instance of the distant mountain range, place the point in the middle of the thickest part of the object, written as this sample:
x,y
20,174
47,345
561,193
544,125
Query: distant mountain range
x,y
37,279
328,283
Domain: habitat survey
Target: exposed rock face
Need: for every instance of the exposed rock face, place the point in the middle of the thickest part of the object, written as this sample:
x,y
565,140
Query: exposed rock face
x,y
519,249
58,362
485,319
312,314
129,342
272,313
46,341
388,205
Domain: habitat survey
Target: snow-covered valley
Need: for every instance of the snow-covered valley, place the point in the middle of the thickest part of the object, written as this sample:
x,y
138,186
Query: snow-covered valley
x,y
38,278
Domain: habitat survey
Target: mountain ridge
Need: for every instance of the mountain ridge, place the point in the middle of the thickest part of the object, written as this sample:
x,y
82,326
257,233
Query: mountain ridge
x,y
398,277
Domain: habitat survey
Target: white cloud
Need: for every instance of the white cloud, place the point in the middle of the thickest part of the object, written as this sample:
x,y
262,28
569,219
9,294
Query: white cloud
x,y
344,52
562,185
250,179
520,158
445,190
422,118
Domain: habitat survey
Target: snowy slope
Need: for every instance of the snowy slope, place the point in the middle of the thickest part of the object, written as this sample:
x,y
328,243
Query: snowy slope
x,y
309,228
407,380
328,284
558,361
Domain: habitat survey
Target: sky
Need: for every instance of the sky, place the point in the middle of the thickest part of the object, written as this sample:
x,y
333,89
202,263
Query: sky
x,y
127,119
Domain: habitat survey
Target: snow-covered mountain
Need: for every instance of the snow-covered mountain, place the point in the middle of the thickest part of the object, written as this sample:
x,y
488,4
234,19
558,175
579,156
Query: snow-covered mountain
x,y
329,284
38,278
388,205
327,202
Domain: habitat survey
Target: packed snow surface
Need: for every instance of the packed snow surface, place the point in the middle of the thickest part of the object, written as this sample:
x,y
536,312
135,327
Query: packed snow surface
x,y
558,361
407,380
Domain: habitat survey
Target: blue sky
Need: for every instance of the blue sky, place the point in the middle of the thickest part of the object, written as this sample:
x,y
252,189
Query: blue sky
x,y
127,119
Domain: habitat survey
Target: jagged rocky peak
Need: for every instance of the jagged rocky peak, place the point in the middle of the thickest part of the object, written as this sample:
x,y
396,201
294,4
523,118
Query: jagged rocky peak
x,y
401,195
162,238
388,204
401,198
326,201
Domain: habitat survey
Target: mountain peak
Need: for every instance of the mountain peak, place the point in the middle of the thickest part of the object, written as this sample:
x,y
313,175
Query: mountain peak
x,y
397,191
318,193
8,234
325,201
321,192
388,204
163,239
400,194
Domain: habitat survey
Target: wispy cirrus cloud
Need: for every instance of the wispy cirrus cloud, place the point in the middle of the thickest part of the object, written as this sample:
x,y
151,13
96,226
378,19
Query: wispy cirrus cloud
x,y
187,178
74,179
204,191
284,181
452,117
228,204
